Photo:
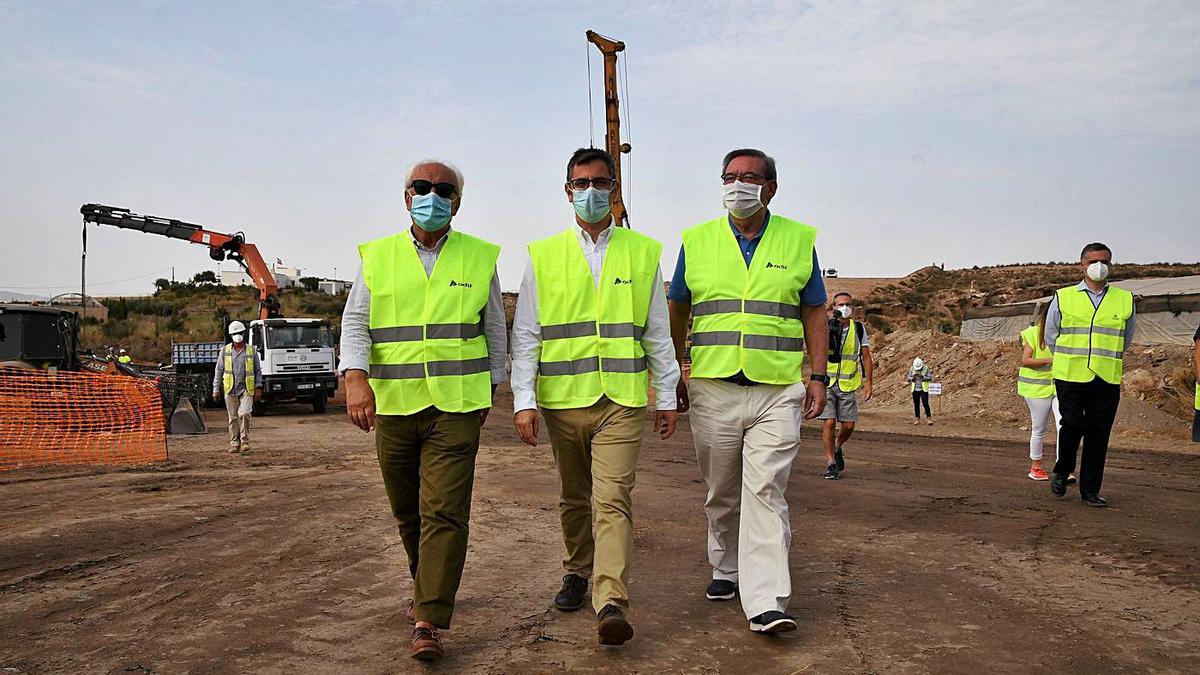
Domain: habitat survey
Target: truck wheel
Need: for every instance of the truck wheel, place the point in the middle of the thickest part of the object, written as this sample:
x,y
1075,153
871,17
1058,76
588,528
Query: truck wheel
x,y
319,403
259,409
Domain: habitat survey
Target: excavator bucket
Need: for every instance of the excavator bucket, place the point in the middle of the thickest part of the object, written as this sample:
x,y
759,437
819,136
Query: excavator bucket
x,y
186,420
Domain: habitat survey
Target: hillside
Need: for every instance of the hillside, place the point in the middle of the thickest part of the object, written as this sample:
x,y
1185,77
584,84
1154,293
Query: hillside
x,y
936,299
193,313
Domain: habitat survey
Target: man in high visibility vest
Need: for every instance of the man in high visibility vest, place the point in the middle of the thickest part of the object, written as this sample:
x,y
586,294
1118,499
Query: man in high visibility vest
x,y
1088,327
423,348
238,378
590,336
124,357
1196,363
850,368
751,285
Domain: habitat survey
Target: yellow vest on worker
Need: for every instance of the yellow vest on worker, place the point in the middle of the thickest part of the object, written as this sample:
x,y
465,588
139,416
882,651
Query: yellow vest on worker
x,y
1091,340
428,346
922,380
1035,382
747,318
1198,396
592,332
125,358
846,372
227,376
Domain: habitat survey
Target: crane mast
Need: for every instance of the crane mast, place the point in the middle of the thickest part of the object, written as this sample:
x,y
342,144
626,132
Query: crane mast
x,y
612,118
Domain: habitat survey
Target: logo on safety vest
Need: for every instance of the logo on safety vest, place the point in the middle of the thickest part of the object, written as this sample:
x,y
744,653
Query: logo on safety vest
x,y
464,284
618,281
771,265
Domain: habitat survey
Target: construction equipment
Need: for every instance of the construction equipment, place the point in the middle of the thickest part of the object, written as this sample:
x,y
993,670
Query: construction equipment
x,y
38,337
220,246
612,117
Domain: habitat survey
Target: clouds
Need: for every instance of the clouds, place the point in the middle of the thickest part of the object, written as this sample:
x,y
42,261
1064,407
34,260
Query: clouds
x,y
1042,68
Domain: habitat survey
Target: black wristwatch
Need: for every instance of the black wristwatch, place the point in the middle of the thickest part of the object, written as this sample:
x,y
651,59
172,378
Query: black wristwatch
x,y
823,379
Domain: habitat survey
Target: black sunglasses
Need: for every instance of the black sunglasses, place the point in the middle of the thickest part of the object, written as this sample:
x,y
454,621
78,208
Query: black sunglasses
x,y
443,190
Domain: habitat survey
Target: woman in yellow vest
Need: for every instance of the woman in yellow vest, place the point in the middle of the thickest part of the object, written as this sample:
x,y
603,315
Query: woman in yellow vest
x,y
1035,383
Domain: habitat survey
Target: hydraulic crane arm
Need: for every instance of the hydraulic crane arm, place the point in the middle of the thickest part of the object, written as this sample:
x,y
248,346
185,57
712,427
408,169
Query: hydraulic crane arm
x,y
220,246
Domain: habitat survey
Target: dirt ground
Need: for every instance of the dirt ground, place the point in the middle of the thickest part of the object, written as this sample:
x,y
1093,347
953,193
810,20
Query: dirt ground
x,y
933,554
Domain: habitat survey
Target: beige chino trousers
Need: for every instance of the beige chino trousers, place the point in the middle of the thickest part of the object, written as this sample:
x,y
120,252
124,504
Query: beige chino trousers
x,y
746,439
596,451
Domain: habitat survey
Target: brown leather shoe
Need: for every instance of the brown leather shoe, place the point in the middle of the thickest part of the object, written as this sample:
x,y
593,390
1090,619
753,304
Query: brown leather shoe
x,y
410,614
614,628
426,644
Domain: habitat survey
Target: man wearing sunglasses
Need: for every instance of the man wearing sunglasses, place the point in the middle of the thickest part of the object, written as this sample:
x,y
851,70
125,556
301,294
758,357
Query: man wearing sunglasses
x,y
751,283
591,321
423,348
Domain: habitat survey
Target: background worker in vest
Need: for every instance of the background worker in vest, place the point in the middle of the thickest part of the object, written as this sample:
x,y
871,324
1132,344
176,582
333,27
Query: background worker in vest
x,y
124,357
850,368
239,379
918,378
1196,363
423,348
751,284
591,319
1035,383
1088,327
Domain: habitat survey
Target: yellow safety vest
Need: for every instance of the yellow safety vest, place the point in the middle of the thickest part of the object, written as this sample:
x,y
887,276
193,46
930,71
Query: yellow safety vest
x,y
428,346
747,318
227,376
1198,396
1035,382
924,383
592,332
846,372
1091,340
125,359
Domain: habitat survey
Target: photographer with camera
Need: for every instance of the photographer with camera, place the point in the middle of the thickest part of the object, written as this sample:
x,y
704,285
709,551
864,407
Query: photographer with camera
x,y
850,368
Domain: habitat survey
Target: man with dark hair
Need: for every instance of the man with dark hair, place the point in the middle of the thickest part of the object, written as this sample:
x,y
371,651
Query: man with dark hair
x,y
754,290
1088,327
850,368
591,321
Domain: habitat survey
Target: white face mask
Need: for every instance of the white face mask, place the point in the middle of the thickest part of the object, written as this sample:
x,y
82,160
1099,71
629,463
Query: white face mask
x,y
237,339
742,200
1097,271
845,310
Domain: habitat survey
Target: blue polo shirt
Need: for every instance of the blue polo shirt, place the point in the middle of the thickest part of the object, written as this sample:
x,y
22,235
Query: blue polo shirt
x,y
813,294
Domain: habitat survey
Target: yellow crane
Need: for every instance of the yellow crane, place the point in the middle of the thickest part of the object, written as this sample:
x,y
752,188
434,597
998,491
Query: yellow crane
x,y
612,117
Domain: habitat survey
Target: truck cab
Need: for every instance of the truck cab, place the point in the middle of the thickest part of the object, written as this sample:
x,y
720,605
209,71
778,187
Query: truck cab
x,y
298,361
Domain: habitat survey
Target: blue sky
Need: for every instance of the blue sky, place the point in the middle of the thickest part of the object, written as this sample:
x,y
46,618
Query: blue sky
x,y
907,133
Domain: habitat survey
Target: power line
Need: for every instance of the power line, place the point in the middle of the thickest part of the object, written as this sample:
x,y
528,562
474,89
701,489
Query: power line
x,y
93,283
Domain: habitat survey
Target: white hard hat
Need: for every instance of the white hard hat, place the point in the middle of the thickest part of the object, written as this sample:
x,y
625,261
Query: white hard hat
x,y
236,327
122,350
918,363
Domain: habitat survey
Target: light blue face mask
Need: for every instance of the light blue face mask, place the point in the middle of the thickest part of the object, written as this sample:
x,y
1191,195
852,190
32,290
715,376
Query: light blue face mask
x,y
591,204
430,212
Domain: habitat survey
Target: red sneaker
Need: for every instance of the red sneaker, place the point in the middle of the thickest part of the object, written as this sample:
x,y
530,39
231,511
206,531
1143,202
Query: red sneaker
x,y
1036,472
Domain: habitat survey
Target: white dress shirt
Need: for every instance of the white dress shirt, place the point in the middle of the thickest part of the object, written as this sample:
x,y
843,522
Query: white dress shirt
x,y
356,318
527,332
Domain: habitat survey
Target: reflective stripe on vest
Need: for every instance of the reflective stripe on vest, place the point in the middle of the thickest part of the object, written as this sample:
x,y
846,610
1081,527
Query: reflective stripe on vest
x,y
846,371
747,318
428,347
227,376
1035,382
1091,339
923,375
591,332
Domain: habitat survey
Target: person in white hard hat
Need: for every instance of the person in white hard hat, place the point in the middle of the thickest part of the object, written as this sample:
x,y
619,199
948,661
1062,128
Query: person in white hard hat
x,y
918,378
123,356
239,378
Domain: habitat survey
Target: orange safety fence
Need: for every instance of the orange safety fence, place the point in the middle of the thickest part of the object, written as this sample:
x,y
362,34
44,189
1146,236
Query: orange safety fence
x,y
78,418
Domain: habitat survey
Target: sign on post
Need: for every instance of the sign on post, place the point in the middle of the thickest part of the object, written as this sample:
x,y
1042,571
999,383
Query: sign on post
x,y
935,388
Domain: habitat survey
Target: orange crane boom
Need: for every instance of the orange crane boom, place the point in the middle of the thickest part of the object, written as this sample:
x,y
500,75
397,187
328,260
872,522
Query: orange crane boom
x,y
220,246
